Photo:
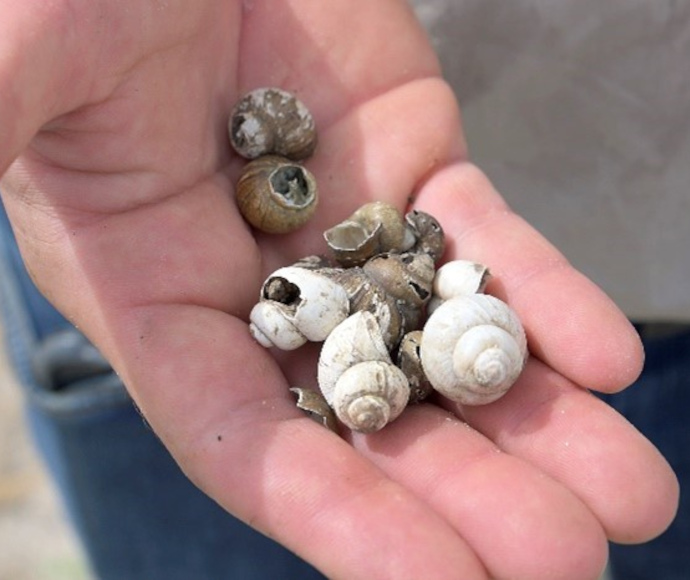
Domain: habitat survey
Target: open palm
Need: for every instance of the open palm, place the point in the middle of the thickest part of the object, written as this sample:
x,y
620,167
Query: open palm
x,y
119,185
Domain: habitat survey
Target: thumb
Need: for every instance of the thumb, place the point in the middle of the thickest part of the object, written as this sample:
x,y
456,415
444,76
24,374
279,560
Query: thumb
x,y
42,70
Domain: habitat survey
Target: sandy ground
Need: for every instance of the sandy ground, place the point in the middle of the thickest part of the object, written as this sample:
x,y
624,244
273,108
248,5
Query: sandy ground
x,y
35,541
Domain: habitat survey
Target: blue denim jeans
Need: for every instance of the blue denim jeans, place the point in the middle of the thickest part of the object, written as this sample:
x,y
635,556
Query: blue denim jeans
x,y
139,517
658,404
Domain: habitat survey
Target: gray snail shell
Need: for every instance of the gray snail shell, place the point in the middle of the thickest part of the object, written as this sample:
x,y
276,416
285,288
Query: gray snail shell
x,y
272,121
276,195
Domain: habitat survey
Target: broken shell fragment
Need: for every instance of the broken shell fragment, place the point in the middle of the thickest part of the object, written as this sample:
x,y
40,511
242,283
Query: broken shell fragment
x,y
428,234
351,243
297,305
272,121
473,349
315,406
374,228
357,377
276,195
410,362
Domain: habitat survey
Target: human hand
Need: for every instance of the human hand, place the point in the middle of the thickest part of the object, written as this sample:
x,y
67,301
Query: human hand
x,y
121,199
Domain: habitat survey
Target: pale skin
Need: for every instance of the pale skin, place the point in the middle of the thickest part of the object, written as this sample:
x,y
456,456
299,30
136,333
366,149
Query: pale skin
x,y
119,184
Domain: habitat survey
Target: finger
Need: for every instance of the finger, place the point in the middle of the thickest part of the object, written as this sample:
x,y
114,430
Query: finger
x,y
586,445
220,404
87,75
32,74
334,55
571,324
522,524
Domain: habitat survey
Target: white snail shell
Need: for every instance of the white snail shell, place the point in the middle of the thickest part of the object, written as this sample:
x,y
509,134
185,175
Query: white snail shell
x,y
460,278
473,349
457,278
297,305
357,376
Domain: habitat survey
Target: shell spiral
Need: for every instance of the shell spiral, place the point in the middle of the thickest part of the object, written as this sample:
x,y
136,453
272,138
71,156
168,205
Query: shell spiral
x,y
473,349
369,395
357,376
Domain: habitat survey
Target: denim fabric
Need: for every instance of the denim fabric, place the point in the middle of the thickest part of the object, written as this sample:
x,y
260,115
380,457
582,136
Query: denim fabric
x,y
658,404
137,515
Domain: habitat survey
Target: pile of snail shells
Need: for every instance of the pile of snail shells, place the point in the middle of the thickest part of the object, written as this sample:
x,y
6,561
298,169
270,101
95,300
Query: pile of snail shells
x,y
275,131
393,327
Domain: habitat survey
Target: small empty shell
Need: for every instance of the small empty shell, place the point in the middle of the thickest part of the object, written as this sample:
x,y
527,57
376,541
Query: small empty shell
x,y
297,305
276,195
272,121
357,376
473,349
458,278
315,406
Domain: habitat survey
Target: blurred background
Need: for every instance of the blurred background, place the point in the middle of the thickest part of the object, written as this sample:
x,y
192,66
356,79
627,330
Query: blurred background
x,y
36,543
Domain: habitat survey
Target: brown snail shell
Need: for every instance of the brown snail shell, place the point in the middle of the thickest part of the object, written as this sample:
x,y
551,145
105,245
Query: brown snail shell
x,y
276,195
374,228
407,277
272,121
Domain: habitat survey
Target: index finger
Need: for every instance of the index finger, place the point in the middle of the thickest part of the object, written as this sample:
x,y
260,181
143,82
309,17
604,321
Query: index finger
x,y
571,324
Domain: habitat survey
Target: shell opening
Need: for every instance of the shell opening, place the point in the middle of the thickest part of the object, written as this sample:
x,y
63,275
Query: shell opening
x,y
249,135
292,186
352,243
350,235
281,290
